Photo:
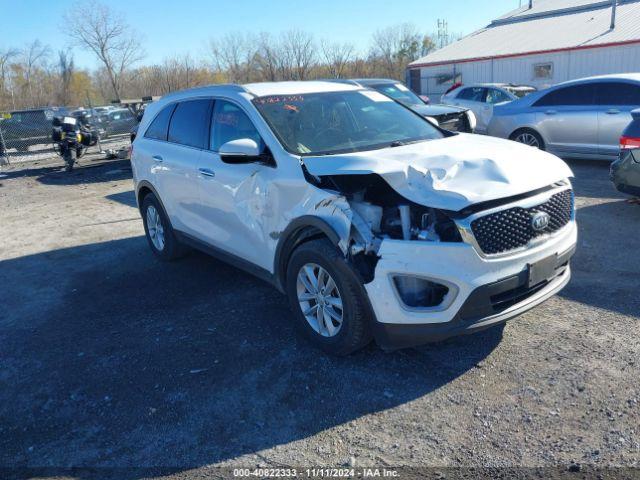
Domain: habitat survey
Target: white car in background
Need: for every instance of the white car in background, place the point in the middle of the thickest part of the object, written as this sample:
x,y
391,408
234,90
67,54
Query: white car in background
x,y
480,99
374,222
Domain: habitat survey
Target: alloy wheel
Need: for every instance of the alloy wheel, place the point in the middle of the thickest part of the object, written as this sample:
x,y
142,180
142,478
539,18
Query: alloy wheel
x,y
319,300
155,228
528,139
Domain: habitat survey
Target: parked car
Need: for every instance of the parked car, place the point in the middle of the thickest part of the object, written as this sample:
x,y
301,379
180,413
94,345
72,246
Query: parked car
x,y
577,119
22,129
481,98
625,171
104,109
374,222
451,118
119,121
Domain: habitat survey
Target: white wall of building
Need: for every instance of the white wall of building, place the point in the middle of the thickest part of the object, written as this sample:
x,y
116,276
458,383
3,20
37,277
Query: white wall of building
x,y
567,65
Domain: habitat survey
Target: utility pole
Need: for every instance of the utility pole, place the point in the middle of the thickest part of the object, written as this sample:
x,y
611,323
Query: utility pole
x,y
443,33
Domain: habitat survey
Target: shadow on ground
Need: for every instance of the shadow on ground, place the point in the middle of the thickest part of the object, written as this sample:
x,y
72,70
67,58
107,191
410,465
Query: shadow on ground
x,y
127,363
605,263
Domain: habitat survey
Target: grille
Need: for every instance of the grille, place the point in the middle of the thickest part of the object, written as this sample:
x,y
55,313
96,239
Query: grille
x,y
456,122
510,229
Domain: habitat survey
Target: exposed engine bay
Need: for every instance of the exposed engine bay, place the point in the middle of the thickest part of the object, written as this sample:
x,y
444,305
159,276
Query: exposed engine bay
x,y
387,214
379,212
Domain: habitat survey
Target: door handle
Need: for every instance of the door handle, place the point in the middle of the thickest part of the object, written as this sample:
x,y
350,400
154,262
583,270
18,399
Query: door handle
x,y
206,172
550,112
613,111
157,158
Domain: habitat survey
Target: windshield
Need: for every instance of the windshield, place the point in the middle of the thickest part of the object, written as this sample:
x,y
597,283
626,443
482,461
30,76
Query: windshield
x,y
398,92
521,92
338,122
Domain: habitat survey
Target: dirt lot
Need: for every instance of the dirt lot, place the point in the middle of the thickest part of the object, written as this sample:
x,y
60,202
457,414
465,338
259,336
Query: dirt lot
x,y
110,358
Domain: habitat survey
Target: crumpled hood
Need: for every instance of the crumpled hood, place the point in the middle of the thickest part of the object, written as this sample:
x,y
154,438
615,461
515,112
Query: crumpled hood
x,y
435,109
451,173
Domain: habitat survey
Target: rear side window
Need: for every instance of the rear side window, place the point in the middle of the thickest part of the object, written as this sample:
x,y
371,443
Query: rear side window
x,y
475,94
160,125
497,96
575,95
618,93
190,123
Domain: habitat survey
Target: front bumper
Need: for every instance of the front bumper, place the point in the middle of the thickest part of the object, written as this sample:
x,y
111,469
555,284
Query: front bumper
x,y
486,291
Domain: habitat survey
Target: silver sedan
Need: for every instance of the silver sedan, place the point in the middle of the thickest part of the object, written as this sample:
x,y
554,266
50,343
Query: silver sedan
x,y
577,119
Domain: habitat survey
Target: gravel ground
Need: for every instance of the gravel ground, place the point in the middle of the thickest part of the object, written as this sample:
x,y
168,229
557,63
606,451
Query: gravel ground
x,y
112,359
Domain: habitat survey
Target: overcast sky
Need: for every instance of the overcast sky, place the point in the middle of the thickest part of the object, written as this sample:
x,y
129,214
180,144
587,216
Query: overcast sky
x,y
170,27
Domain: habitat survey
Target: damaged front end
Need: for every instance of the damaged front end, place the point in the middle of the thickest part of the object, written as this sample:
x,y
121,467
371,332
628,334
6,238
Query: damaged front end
x,y
379,213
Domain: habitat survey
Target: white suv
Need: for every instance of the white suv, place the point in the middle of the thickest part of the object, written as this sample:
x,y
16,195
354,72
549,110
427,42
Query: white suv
x,y
375,223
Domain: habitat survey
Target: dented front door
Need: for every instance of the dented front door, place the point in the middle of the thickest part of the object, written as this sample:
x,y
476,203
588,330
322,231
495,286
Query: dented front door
x,y
235,204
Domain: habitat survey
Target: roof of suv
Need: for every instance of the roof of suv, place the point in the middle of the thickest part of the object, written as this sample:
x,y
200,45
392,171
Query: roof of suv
x,y
296,88
265,88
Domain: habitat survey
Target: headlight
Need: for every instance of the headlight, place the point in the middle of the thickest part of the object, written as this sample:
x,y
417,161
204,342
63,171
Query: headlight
x,y
472,120
433,121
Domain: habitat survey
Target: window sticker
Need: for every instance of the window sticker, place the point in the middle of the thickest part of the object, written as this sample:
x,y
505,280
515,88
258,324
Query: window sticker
x,y
279,99
376,96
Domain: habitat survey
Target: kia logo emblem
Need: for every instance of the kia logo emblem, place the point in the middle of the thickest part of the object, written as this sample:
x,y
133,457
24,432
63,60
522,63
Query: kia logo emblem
x,y
540,221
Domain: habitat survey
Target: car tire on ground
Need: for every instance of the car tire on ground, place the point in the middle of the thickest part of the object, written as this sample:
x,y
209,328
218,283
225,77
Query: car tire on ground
x,y
158,230
328,298
529,137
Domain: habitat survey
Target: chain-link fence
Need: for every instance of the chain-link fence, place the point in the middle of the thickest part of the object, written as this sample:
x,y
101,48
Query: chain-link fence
x,y
25,135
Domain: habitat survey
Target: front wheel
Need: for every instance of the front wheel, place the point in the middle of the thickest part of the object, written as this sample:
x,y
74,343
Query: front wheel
x,y
328,298
528,137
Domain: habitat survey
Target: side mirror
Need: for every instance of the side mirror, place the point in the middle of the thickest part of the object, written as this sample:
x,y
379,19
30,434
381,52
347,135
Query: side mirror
x,y
242,150
425,99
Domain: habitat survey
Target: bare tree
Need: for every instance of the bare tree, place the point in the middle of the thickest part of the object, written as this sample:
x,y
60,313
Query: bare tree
x,y
337,56
234,54
104,32
33,56
300,53
5,57
268,58
394,47
66,69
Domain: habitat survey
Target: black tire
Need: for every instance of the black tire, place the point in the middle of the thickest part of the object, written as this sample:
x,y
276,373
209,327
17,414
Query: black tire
x,y
172,249
357,316
518,134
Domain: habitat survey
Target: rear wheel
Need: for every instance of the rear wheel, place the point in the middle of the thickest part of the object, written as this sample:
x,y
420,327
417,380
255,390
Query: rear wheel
x,y
159,232
328,298
529,137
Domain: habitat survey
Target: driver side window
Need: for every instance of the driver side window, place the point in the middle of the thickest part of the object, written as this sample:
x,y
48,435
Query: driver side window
x,y
231,123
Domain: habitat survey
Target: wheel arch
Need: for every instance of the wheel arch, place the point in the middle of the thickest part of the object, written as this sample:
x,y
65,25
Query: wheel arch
x,y
144,188
531,129
299,231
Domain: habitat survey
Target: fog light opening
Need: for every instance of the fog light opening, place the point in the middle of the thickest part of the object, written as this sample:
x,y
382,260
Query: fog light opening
x,y
416,292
